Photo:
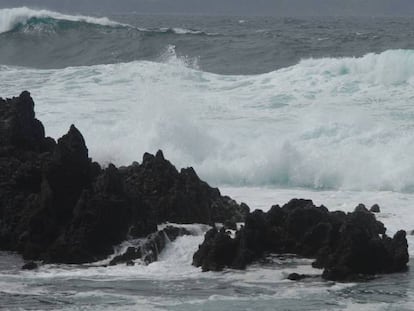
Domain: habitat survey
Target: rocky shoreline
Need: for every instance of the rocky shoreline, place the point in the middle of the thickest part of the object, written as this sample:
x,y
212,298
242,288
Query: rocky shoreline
x,y
58,206
349,247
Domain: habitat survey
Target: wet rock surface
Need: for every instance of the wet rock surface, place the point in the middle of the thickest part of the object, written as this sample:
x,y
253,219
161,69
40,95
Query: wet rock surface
x,y
348,246
150,247
57,205
297,277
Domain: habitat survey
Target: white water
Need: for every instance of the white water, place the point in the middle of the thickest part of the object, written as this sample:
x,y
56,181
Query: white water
x,y
321,124
338,131
173,284
10,18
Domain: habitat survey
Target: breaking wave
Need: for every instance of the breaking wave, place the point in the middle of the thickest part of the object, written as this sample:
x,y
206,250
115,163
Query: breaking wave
x,y
15,18
330,123
29,20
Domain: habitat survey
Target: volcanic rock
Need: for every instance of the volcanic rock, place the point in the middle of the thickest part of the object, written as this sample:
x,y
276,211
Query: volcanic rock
x,y
57,205
375,208
346,246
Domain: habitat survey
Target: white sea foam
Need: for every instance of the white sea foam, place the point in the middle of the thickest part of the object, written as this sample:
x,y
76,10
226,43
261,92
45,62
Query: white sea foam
x,y
10,18
173,284
174,263
182,31
343,123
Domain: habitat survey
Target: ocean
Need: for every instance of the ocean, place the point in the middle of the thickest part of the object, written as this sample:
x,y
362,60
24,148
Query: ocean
x,y
265,108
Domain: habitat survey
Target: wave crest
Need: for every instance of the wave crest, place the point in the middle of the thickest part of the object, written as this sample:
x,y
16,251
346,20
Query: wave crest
x,y
11,19
26,20
332,123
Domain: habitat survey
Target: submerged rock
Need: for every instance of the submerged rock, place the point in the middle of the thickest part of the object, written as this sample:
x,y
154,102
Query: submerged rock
x,y
130,263
30,266
346,246
151,246
297,277
57,205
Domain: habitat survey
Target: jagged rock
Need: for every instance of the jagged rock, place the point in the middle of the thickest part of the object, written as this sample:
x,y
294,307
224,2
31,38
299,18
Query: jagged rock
x,y
217,252
375,209
19,130
179,197
361,208
348,246
57,205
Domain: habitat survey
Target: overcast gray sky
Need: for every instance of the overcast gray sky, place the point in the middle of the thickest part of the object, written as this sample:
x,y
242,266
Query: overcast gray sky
x,y
227,7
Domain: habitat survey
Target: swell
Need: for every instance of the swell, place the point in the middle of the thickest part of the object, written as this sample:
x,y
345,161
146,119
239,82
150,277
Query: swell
x,y
330,123
15,18
45,39
27,20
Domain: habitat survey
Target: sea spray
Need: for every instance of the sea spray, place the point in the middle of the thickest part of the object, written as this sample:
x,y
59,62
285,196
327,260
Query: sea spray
x,y
322,124
11,18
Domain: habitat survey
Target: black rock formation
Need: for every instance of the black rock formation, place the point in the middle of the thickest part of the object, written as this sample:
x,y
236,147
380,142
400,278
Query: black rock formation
x,y
375,209
346,246
297,277
57,205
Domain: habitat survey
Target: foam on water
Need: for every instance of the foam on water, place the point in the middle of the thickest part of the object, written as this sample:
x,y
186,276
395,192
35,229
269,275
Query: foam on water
x,y
184,31
173,284
176,266
175,263
340,128
10,18
179,284
322,124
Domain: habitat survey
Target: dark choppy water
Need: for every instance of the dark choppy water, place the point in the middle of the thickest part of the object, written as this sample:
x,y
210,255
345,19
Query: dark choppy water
x,y
225,45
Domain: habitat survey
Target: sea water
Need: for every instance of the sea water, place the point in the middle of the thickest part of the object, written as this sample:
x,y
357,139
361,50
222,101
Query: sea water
x,y
266,109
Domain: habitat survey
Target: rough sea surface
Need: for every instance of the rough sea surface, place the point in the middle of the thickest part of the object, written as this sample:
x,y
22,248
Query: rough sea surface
x,y
265,108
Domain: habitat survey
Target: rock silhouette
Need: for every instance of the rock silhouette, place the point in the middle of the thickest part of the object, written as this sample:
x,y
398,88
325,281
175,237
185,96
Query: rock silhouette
x,y
57,205
347,246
